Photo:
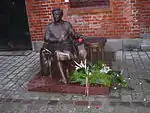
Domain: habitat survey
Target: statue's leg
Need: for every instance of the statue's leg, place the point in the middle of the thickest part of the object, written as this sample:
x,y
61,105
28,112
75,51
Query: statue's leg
x,y
50,65
60,65
70,69
45,62
66,66
44,70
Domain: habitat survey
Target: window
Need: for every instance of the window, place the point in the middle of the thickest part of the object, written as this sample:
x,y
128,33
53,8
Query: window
x,y
88,3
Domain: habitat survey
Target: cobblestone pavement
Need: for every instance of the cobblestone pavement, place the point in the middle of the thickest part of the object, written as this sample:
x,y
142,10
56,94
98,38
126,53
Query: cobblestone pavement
x,y
16,71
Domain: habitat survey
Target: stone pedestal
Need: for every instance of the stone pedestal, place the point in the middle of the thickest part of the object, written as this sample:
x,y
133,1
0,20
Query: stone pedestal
x,y
145,45
47,84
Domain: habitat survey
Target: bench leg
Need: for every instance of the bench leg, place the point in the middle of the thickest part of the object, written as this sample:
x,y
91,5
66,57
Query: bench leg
x,y
50,67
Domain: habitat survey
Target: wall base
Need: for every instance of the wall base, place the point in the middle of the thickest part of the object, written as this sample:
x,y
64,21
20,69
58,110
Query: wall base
x,y
36,45
112,45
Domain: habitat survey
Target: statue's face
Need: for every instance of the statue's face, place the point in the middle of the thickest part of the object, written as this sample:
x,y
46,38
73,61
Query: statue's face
x,y
57,15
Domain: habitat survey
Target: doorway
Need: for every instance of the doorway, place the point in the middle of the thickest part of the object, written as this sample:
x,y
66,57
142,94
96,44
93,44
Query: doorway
x,y
14,30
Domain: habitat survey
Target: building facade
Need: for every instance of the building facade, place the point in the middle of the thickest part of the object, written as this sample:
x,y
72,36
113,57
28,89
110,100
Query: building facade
x,y
112,19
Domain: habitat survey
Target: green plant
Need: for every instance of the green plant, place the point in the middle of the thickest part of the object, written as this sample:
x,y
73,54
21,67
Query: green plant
x,y
98,74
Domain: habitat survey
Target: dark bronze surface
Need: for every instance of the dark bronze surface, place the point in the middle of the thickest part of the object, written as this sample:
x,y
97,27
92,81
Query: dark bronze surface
x,y
95,45
60,44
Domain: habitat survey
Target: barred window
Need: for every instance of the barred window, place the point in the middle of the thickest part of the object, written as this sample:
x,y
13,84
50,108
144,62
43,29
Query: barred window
x,y
88,3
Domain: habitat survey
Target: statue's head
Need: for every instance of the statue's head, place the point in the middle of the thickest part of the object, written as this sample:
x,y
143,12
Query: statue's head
x,y
57,14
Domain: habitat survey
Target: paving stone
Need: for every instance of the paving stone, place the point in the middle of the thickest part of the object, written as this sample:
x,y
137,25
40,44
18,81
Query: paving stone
x,y
125,91
77,97
90,98
147,110
134,82
67,102
114,93
67,97
53,102
51,107
121,109
126,98
30,64
147,95
129,57
137,89
138,104
125,73
82,103
141,109
146,86
138,96
62,108
95,103
5,81
43,108
101,98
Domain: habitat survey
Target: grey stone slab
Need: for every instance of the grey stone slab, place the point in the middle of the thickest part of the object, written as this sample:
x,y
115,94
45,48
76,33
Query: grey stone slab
x,y
129,57
67,97
125,91
126,98
134,82
138,104
146,86
137,89
125,73
135,56
121,109
26,69
114,93
138,96
65,108
147,110
43,108
147,95
12,75
76,98
5,81
31,66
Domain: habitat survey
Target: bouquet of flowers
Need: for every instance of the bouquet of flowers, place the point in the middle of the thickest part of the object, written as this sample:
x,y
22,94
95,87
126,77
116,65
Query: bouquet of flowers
x,y
97,74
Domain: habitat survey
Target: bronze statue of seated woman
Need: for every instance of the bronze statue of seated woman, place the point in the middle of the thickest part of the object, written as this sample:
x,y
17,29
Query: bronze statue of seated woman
x,y
62,43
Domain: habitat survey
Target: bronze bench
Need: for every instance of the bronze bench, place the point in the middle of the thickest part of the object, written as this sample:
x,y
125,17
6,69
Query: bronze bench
x,y
95,44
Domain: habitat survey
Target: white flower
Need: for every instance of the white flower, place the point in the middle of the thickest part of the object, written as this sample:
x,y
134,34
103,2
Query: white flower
x,y
77,67
82,65
115,87
103,65
103,71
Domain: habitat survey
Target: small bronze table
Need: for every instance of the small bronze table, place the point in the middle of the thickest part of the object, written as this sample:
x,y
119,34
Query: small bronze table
x,y
95,44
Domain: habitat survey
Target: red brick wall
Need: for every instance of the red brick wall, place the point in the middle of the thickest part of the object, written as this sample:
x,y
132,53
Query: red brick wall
x,y
144,16
122,19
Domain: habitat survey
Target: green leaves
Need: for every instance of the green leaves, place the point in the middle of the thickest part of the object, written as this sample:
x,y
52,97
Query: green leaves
x,y
98,65
95,77
78,77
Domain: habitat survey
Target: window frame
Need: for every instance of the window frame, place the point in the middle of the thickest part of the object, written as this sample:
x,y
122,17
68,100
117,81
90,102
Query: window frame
x,y
89,3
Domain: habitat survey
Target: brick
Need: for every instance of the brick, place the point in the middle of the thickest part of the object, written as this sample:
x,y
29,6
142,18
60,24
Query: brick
x,y
118,15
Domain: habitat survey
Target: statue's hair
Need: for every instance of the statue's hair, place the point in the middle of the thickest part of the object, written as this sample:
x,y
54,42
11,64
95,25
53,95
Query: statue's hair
x,y
57,9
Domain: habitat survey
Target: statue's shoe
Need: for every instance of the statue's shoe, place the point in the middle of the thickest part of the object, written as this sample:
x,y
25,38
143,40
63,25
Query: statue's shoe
x,y
62,81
